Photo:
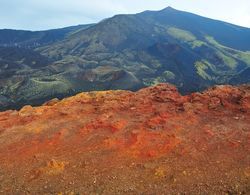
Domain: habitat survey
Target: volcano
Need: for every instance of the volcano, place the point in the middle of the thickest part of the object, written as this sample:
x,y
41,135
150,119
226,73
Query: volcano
x,y
125,52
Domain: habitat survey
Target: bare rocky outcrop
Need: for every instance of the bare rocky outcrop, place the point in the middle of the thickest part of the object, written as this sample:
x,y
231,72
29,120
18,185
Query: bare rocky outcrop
x,y
121,142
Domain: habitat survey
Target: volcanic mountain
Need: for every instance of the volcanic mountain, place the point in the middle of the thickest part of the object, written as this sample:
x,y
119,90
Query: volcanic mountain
x,y
154,141
122,52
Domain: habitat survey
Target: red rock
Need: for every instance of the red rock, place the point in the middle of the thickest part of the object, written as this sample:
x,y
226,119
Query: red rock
x,y
115,129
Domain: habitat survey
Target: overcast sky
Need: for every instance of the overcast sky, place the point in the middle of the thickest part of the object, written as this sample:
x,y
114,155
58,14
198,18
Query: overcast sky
x,y
48,14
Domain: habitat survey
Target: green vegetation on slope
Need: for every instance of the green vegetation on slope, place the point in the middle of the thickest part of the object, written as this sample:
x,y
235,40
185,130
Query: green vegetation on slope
x,y
181,34
232,54
185,36
201,68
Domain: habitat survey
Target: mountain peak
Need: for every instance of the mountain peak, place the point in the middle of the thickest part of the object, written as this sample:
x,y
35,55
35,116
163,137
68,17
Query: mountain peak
x,y
169,8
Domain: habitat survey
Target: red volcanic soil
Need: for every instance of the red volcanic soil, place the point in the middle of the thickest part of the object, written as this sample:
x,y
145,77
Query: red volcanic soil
x,y
153,141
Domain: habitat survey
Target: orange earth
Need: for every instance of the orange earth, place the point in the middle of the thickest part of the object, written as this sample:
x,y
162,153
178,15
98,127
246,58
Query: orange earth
x,y
153,141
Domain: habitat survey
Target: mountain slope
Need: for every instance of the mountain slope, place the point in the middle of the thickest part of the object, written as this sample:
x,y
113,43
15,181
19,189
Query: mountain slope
x,y
32,39
225,33
153,141
133,51
153,44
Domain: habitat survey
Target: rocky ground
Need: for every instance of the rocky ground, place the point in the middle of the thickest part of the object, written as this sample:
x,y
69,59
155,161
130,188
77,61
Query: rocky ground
x,y
153,141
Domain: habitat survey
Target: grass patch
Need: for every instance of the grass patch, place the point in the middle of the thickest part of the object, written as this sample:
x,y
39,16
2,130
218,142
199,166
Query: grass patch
x,y
185,36
201,68
212,41
181,34
228,60
243,56
231,53
197,43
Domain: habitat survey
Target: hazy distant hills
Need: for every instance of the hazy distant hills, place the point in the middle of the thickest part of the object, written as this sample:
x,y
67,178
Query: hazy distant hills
x,y
122,52
31,39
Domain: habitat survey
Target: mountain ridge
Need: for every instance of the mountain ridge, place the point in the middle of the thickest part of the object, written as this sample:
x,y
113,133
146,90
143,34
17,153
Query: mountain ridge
x,y
7,38
135,50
